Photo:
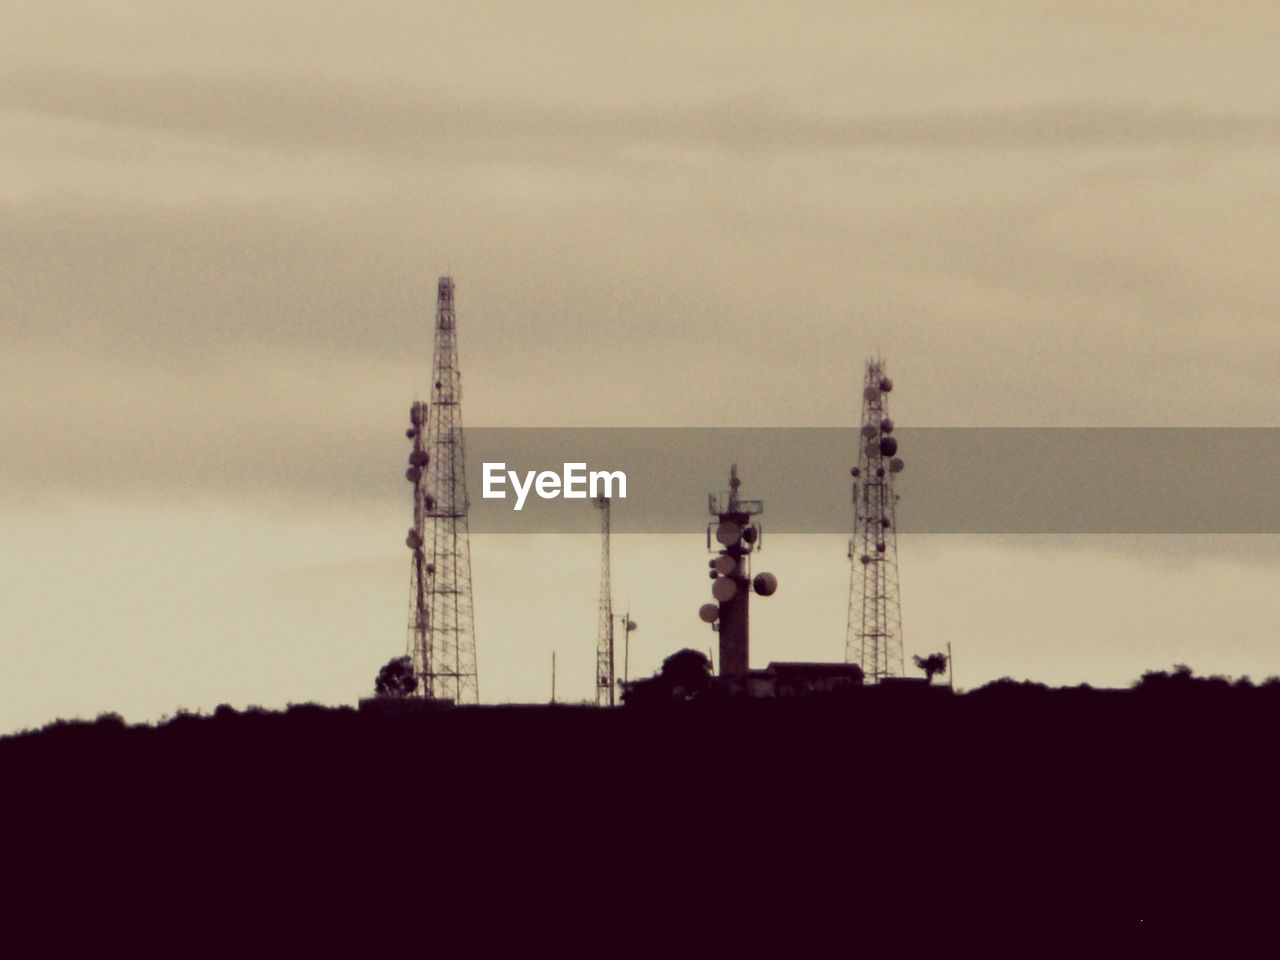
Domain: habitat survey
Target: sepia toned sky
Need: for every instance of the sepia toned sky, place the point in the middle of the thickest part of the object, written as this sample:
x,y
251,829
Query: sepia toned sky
x,y
220,230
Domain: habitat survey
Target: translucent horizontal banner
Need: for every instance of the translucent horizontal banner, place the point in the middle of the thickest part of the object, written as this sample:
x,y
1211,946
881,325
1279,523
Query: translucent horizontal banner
x,y
952,480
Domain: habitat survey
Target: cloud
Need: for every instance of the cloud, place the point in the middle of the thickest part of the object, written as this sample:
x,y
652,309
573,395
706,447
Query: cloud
x,y
299,113
252,249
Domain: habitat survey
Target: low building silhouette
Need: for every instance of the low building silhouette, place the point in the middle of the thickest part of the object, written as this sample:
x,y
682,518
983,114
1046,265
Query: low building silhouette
x,y
787,679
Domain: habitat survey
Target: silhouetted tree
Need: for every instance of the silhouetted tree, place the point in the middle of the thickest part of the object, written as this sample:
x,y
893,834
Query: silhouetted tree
x,y
685,675
1182,678
396,679
686,672
932,665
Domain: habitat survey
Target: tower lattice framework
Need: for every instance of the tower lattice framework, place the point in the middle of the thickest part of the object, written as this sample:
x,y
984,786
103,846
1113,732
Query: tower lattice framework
x,y
873,638
444,647
604,633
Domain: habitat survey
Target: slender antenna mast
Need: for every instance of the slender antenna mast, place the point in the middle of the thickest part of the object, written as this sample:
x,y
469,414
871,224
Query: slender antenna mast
x,y
628,627
873,637
446,662
604,632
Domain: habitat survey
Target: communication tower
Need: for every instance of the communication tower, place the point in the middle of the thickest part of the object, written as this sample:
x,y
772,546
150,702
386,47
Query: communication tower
x,y
442,622
738,538
873,638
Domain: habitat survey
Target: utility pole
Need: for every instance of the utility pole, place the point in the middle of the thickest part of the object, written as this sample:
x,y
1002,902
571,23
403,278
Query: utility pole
x,y
628,627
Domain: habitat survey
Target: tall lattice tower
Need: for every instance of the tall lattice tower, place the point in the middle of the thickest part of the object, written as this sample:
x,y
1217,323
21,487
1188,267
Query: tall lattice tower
x,y
873,638
445,651
604,632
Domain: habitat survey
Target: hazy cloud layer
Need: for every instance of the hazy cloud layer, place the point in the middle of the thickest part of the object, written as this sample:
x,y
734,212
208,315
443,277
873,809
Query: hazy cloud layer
x,y
390,119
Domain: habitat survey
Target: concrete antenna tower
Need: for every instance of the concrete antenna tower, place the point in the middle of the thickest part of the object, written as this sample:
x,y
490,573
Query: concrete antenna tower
x,y
604,634
739,537
447,659
873,639
419,604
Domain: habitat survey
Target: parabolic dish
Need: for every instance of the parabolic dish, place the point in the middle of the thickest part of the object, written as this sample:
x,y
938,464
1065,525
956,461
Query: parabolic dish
x,y
724,589
728,533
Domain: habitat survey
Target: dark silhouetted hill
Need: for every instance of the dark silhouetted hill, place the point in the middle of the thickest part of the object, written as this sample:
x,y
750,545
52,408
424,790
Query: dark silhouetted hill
x,y
1110,814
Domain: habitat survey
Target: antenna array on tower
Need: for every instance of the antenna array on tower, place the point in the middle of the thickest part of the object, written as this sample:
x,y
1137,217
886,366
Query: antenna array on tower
x,y
873,637
419,604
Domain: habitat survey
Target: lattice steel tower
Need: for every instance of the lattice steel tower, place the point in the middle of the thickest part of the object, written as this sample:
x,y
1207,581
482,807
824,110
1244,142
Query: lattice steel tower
x,y
874,635
604,632
444,653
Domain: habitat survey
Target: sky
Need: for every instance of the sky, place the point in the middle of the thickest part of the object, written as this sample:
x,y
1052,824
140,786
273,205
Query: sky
x,y
221,226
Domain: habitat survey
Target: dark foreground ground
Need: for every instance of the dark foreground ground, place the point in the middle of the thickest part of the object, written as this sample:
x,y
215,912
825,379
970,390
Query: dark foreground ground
x,y
786,828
